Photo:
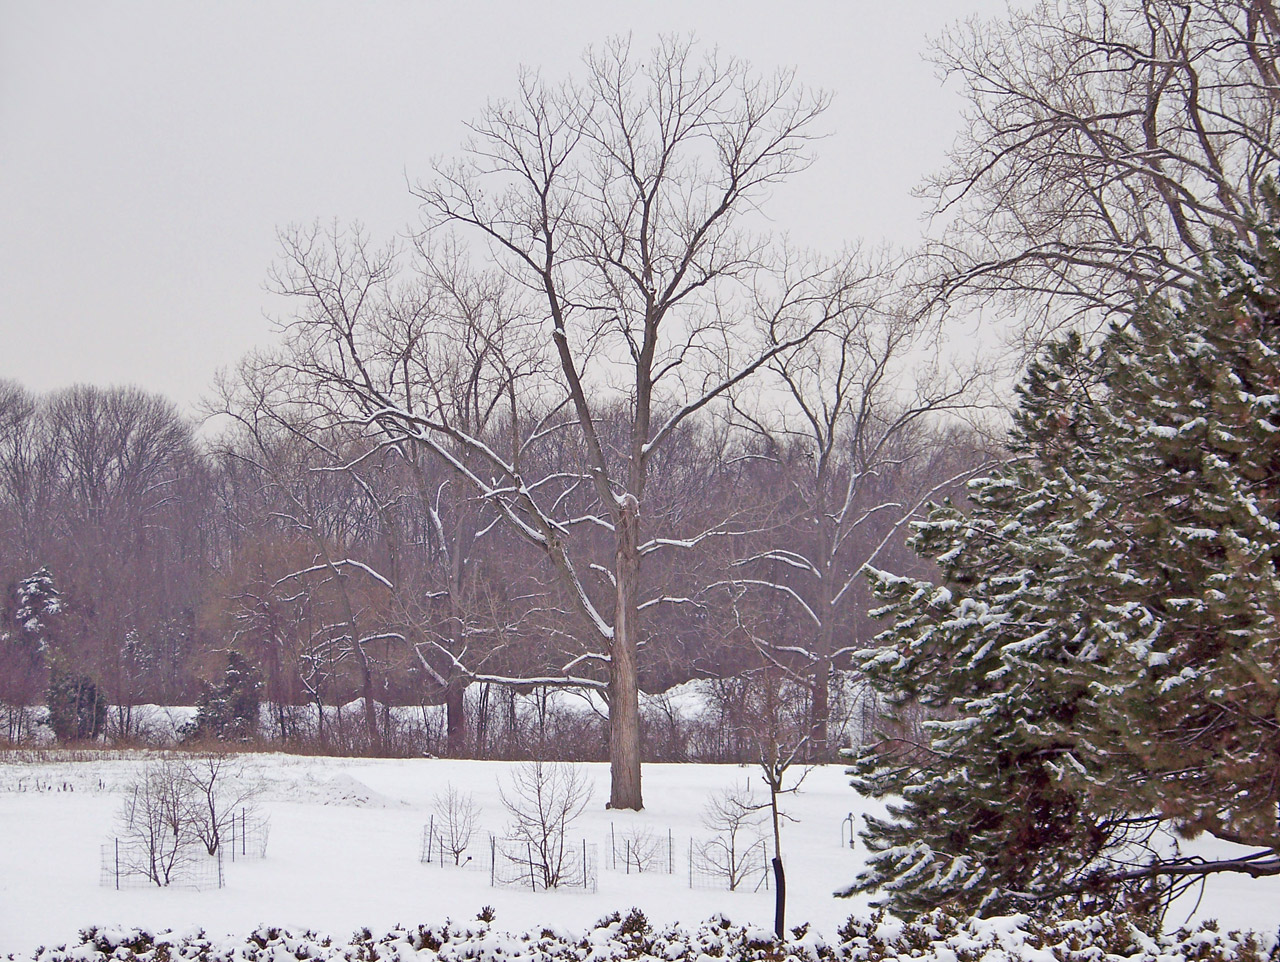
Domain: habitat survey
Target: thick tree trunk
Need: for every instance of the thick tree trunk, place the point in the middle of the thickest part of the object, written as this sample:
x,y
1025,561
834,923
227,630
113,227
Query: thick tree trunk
x,y
820,710
455,719
820,695
624,683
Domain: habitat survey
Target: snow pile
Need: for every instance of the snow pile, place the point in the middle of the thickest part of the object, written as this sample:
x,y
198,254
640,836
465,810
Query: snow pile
x,y
344,789
935,938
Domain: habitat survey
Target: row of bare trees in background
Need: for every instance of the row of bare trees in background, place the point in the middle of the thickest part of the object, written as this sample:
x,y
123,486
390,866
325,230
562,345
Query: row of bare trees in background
x,y
385,580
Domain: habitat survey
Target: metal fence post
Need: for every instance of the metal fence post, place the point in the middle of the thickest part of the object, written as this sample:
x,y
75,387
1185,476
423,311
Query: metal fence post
x,y
117,865
493,859
533,881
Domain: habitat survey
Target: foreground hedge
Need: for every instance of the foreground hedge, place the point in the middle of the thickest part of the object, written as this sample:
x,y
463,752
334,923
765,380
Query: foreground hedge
x,y
934,938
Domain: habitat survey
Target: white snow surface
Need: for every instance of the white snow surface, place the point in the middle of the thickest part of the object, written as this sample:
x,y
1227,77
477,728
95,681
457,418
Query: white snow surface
x,y
344,853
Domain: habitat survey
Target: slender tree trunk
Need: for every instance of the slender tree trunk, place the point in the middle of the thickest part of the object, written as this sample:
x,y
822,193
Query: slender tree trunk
x,y
624,685
455,713
370,710
820,692
779,874
779,898
482,723
514,740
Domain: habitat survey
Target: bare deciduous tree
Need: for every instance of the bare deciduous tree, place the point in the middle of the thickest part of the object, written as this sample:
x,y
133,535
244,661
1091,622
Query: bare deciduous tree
x,y
614,211
157,822
853,431
456,815
544,799
218,790
295,457
641,849
736,846
1103,145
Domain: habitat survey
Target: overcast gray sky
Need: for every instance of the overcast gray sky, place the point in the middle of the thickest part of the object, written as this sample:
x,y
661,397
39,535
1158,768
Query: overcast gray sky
x,y
150,150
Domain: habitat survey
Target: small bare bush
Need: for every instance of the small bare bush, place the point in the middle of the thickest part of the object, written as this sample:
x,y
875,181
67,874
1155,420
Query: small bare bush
x,y
643,851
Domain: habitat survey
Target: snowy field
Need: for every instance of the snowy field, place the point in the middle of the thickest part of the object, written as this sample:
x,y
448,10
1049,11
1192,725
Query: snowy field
x,y
344,853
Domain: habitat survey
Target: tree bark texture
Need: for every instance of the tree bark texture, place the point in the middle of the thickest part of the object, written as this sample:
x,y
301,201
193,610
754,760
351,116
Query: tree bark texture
x,y
456,719
624,688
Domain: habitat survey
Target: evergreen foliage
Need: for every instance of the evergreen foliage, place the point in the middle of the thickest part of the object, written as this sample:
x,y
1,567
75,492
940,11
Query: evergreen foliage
x,y
1100,652
229,709
36,603
26,623
77,712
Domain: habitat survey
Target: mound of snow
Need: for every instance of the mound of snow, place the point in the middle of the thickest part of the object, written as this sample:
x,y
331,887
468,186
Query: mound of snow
x,y
344,789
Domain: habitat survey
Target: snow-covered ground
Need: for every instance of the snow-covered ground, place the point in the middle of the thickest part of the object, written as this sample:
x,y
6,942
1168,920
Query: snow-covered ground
x,y
344,850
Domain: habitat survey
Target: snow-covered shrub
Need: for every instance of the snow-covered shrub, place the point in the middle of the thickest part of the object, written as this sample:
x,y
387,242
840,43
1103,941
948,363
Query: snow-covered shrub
x,y
933,938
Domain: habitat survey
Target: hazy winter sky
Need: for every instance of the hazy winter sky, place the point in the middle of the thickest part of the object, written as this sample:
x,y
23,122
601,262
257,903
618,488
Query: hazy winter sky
x,y
150,150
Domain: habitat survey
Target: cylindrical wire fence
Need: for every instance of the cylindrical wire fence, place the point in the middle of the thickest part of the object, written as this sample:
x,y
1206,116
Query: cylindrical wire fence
x,y
563,864
637,851
129,863
534,865
737,865
246,836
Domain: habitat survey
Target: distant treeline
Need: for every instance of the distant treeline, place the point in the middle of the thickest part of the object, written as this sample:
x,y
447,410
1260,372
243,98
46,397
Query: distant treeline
x,y
137,555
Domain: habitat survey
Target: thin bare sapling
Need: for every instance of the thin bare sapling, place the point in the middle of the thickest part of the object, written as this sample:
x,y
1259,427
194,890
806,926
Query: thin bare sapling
x,y
736,844
544,799
456,815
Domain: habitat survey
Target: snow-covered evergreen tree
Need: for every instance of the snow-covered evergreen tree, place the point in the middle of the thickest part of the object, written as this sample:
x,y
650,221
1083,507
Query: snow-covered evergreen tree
x,y
77,710
978,817
36,602
229,709
1194,428
1100,651
27,621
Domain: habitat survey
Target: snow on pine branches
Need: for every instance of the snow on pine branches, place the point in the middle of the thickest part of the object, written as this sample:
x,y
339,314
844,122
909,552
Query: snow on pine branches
x,y
1101,655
